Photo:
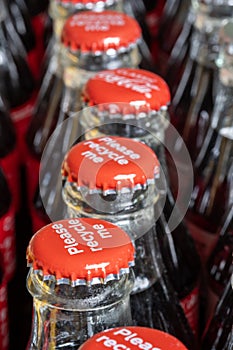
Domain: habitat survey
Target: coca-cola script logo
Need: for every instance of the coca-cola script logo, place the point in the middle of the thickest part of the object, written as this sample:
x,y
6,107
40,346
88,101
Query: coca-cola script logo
x,y
134,82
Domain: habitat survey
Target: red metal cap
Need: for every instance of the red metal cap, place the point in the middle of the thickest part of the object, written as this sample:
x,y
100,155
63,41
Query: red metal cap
x,y
138,88
133,338
110,164
77,251
98,32
87,3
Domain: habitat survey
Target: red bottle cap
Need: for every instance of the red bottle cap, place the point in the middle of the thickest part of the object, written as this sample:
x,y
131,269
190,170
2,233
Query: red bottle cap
x,y
98,32
133,338
110,164
77,251
140,89
87,3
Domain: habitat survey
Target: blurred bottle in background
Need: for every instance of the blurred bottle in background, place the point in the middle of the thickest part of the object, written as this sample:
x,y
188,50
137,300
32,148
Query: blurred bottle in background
x,y
17,83
213,168
196,103
154,13
219,264
173,40
219,333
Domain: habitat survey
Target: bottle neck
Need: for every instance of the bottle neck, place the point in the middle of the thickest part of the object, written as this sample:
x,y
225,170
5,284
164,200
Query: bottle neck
x,y
148,128
82,66
205,37
135,214
65,316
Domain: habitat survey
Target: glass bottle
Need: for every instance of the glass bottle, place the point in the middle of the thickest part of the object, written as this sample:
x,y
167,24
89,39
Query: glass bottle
x,y
211,185
174,31
23,26
17,83
192,104
133,337
113,45
147,123
58,12
223,107
210,196
120,187
213,168
154,12
137,10
180,51
219,333
80,284
219,264
38,11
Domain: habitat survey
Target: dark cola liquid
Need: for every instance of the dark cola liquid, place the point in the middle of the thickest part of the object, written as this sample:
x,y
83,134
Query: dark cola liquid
x,y
139,12
173,34
219,264
36,7
192,105
157,307
203,225
38,14
45,117
17,83
219,333
182,263
5,201
40,217
179,56
180,256
210,197
8,152
7,132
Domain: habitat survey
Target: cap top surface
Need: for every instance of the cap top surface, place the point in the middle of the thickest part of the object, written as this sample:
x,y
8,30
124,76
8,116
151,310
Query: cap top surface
x,y
140,88
110,164
77,251
98,32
